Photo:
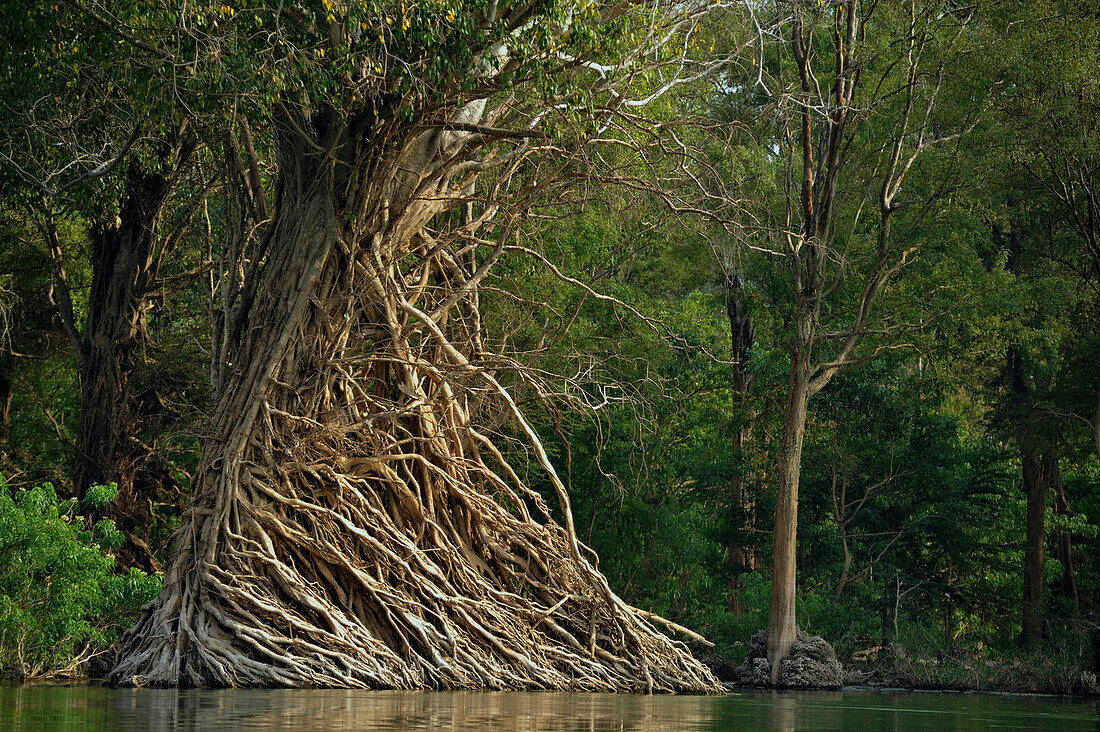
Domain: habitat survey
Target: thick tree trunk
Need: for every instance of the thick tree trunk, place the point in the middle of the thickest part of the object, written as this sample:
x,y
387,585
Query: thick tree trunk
x,y
1035,474
350,525
124,260
782,628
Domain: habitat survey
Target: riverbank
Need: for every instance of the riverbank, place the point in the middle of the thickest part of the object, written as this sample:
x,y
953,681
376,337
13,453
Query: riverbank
x,y
1063,673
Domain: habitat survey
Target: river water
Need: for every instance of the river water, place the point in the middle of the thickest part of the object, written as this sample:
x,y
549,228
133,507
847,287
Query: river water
x,y
40,708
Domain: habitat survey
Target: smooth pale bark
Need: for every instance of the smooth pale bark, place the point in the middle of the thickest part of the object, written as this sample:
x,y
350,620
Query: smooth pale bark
x,y
783,628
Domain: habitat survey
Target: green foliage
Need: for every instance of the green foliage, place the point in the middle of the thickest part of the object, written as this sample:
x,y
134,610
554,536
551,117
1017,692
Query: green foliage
x,y
100,495
930,433
60,600
922,660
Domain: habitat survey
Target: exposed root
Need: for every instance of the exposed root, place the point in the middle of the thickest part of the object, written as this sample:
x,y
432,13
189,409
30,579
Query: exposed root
x,y
352,527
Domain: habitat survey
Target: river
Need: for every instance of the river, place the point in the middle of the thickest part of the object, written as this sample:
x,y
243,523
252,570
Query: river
x,y
76,708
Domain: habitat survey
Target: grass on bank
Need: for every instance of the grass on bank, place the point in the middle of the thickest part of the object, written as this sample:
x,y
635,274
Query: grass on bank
x,y
919,656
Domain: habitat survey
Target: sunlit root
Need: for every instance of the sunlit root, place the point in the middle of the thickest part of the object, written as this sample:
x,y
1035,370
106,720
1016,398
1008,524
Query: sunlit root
x,y
352,527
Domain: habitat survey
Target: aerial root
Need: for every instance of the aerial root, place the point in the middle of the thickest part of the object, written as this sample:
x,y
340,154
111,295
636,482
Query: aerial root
x,y
354,529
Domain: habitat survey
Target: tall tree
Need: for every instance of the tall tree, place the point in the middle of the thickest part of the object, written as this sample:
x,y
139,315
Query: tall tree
x,y
351,523
741,553
79,159
845,107
1049,228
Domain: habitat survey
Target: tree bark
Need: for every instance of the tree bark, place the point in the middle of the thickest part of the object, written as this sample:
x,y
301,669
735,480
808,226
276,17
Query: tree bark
x,y
1035,475
740,549
124,268
808,268
350,525
1096,427
782,628
887,604
1063,542
6,394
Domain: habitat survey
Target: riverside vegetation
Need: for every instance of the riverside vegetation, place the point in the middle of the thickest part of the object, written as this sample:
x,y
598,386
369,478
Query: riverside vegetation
x,y
555,344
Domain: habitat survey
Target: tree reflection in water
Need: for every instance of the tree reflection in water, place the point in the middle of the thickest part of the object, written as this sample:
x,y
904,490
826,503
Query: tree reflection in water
x,y
403,710
37,708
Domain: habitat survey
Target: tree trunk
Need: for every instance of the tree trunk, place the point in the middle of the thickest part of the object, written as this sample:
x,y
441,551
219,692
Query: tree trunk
x,y
124,262
886,607
808,257
1035,473
845,570
948,621
740,549
350,525
1063,542
782,628
1096,427
6,394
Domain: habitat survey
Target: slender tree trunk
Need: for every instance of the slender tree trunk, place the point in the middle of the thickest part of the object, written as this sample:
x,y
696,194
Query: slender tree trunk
x,y
948,621
840,506
740,549
6,394
1035,468
1063,542
1035,474
782,628
845,569
1096,427
887,606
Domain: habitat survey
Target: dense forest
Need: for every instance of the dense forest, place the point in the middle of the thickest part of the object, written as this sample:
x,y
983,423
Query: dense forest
x,y
550,344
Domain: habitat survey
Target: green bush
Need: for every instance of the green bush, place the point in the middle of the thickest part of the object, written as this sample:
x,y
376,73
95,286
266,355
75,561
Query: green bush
x,y
1061,665
61,603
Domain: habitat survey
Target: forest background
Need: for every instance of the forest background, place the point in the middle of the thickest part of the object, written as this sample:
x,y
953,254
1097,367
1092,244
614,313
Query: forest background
x,y
949,472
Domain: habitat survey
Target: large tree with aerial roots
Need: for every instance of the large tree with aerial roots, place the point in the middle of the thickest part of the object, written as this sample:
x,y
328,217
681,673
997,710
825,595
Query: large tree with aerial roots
x,y
352,523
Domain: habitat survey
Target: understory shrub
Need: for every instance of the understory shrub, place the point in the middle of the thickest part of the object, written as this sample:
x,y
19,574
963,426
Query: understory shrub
x,y
61,602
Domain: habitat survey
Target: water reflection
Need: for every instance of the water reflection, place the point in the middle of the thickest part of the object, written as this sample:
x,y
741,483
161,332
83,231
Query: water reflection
x,y
41,708
781,713
384,710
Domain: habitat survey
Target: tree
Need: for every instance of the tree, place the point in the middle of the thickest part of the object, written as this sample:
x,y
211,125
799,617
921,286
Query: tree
x,y
351,524
1049,229
82,163
844,111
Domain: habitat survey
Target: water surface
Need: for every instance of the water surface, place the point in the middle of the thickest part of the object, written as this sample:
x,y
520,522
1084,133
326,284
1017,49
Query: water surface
x,y
40,708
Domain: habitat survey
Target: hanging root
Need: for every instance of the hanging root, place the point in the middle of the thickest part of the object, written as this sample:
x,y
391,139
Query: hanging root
x,y
354,528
